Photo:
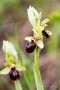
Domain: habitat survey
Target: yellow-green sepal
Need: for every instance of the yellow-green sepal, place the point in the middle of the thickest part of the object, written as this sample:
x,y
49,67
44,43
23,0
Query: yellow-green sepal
x,y
5,71
28,38
20,68
44,21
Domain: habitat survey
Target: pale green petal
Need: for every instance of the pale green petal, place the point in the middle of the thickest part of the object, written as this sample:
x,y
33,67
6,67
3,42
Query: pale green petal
x,y
49,32
28,38
9,49
34,11
45,21
5,71
31,16
40,15
38,18
40,44
34,16
20,68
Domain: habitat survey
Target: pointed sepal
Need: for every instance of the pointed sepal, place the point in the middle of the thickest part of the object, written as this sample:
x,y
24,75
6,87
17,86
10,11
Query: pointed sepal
x,y
40,44
20,68
5,71
44,21
28,38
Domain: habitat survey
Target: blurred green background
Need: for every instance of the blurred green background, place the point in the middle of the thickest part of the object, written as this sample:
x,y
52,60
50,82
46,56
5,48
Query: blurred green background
x,y
13,13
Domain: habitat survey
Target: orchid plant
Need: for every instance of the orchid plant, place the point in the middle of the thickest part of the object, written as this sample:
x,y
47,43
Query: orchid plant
x,y
35,42
12,64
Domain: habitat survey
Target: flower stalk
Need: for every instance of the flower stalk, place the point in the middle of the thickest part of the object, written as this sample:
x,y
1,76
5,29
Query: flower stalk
x,y
37,74
18,85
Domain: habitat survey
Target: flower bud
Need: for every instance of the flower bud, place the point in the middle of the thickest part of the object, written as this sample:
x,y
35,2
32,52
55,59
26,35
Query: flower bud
x,y
30,46
14,74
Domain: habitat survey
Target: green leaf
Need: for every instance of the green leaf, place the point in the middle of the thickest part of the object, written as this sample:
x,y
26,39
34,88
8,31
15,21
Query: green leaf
x,y
28,81
23,59
5,71
18,85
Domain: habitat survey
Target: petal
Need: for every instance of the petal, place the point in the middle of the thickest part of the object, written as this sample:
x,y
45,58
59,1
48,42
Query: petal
x,y
29,38
38,18
12,50
40,15
44,21
9,48
40,44
34,16
20,68
5,71
31,17
34,11
49,32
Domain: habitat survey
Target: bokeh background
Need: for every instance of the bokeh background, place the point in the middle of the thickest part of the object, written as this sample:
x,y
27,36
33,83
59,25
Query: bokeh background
x,y
13,13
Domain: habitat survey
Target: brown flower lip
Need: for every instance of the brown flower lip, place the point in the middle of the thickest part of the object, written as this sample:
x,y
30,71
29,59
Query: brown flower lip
x,y
14,74
30,46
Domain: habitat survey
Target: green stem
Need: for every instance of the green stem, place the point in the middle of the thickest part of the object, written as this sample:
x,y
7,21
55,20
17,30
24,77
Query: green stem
x,y
21,59
37,74
18,85
36,57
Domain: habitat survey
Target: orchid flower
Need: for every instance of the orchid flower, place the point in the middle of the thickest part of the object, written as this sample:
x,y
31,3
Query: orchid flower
x,y
12,64
38,30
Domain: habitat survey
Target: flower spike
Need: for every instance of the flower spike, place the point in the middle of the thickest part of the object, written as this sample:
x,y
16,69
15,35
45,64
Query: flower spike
x,y
12,66
38,29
